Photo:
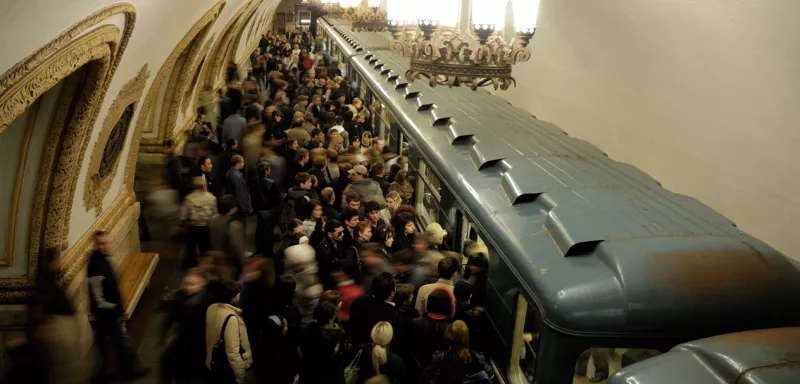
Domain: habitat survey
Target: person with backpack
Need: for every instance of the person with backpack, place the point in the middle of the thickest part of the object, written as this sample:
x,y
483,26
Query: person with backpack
x,y
457,364
228,354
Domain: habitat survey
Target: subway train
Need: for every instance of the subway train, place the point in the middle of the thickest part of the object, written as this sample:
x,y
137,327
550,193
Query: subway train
x,y
592,262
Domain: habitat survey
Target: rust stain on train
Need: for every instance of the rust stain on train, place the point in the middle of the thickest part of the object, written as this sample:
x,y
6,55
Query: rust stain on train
x,y
709,271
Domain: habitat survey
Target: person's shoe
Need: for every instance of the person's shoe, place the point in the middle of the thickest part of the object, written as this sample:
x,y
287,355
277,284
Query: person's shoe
x,y
141,372
598,378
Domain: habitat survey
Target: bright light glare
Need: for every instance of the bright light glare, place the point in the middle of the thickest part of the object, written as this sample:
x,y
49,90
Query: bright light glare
x,y
446,12
489,12
374,3
526,13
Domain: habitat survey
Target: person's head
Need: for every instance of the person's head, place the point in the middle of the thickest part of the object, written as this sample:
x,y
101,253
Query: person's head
x,y
401,177
199,184
193,281
319,163
335,230
224,291
359,172
379,379
237,161
364,231
436,233
377,169
301,156
102,242
302,100
448,267
381,336
393,200
325,313
384,235
316,210
296,227
421,243
328,195
403,222
293,144
462,291
378,144
383,286
316,99
456,338
201,118
358,103
440,303
373,210
339,120
341,99
205,164
303,180
299,256
353,200
350,217
283,291
264,168
404,294
316,133
277,115
333,297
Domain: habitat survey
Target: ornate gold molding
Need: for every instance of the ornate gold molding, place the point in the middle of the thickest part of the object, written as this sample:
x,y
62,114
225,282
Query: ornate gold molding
x,y
171,102
97,185
67,137
12,104
218,58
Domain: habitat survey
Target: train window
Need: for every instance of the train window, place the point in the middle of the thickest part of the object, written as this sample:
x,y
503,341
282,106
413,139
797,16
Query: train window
x,y
595,365
525,345
428,199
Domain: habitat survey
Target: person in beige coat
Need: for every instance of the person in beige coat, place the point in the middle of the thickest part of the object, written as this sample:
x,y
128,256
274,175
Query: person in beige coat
x,y
237,345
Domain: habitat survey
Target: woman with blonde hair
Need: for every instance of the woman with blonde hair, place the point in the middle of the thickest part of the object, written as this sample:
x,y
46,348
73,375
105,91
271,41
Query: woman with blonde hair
x,y
336,144
402,186
393,200
378,360
456,364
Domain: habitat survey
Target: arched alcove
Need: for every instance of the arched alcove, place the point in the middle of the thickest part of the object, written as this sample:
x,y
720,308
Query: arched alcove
x,y
162,105
49,103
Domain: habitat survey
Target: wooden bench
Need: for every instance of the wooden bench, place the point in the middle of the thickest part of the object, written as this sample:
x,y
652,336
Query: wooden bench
x,y
134,276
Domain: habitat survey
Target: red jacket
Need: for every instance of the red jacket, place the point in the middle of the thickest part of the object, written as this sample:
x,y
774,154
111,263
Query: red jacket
x,y
349,293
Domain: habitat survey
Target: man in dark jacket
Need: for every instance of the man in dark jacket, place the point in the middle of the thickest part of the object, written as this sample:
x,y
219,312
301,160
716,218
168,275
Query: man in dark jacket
x,y
266,197
298,197
106,306
366,311
236,186
329,250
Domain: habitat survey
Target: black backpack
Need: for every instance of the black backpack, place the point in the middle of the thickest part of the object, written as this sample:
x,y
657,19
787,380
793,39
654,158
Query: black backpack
x,y
220,366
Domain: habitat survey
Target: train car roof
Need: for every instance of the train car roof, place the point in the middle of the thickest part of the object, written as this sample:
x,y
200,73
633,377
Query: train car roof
x,y
601,246
770,356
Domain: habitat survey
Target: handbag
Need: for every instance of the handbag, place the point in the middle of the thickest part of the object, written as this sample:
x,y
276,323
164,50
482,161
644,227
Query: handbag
x,y
220,366
351,370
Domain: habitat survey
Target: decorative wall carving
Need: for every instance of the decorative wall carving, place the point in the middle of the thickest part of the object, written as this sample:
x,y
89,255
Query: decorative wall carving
x,y
171,102
215,67
111,141
9,110
98,53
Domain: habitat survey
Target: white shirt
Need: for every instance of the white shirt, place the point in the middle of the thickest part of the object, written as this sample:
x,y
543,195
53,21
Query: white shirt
x,y
338,128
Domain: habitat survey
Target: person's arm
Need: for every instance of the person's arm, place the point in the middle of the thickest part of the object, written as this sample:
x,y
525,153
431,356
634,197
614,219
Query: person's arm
x,y
420,304
96,288
242,196
232,345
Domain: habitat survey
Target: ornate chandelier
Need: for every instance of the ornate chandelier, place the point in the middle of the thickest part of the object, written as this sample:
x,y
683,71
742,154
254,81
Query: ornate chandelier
x,y
445,53
373,20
